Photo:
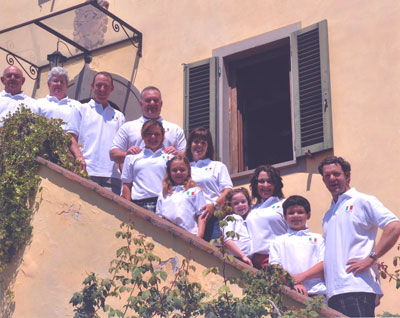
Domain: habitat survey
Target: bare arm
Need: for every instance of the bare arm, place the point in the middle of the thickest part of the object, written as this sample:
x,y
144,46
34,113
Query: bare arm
x,y
235,250
201,223
126,191
118,156
390,235
209,208
315,271
76,151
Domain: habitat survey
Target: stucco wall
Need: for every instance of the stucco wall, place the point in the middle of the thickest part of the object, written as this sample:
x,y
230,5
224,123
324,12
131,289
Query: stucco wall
x,y
363,48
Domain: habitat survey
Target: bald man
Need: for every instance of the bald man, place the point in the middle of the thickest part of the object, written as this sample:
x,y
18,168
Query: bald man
x,y
12,96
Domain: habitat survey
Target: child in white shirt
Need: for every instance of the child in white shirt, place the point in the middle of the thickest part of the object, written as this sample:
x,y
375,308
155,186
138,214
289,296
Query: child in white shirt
x,y
181,199
299,251
238,205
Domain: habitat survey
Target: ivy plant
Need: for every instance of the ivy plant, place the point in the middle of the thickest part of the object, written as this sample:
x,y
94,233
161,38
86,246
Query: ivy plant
x,y
23,137
138,279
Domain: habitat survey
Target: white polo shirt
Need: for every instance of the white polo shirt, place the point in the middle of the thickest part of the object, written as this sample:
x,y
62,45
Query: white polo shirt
x,y
265,222
298,251
10,103
350,228
145,171
182,207
96,127
52,107
239,227
130,135
212,176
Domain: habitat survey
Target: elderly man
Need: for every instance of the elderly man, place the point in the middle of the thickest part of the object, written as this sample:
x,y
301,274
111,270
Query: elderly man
x,y
94,126
350,228
57,104
12,96
129,140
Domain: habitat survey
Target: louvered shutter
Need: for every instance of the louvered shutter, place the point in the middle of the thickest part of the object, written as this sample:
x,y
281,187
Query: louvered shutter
x,y
311,89
200,96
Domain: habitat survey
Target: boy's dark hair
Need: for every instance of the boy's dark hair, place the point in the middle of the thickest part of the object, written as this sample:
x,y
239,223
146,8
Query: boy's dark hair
x,y
345,165
296,200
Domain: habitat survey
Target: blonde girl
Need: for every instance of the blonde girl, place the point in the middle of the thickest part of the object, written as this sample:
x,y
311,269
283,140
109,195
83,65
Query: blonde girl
x,y
181,199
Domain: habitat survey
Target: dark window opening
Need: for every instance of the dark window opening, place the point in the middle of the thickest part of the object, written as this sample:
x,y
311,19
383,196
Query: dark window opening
x,y
264,107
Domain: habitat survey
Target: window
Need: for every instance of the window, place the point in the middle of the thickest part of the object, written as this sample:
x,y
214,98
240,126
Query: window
x,y
266,99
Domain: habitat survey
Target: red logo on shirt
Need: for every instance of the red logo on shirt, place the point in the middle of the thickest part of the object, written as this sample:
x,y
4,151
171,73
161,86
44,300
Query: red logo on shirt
x,y
190,193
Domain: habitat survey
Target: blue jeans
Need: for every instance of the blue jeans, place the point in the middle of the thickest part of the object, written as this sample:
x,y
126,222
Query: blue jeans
x,y
112,184
354,304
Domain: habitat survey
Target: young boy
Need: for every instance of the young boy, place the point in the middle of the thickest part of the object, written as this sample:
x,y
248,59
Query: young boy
x,y
299,251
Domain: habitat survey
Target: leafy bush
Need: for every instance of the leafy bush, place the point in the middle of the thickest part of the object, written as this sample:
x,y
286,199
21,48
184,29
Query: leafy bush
x,y
23,137
138,277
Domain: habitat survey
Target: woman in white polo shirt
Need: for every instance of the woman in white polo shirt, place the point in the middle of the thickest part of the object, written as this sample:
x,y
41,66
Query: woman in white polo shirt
x,y
265,221
212,176
142,174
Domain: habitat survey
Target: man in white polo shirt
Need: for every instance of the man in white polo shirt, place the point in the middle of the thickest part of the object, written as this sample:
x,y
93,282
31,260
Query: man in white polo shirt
x,y
94,126
128,140
350,227
57,104
12,96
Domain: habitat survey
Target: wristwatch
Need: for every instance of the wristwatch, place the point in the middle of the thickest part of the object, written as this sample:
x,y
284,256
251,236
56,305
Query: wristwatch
x,y
215,205
373,255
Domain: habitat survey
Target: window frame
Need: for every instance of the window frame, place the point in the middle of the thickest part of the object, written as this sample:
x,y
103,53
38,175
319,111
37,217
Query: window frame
x,y
226,113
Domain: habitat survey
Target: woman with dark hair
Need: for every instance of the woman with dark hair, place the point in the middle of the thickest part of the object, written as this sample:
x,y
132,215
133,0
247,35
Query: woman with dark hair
x,y
212,176
265,221
143,173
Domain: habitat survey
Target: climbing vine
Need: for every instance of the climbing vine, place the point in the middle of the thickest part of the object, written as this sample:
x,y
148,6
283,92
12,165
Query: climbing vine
x,y
23,137
139,279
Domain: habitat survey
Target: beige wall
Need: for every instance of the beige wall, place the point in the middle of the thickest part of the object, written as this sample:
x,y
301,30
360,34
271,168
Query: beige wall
x,y
363,46
74,234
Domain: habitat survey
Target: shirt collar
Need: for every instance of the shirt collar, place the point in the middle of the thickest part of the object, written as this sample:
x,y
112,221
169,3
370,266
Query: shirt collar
x,y
149,151
270,201
200,163
144,119
346,195
93,104
50,98
304,232
16,96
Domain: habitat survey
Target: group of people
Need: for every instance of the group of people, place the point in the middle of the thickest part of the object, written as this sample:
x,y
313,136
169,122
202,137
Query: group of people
x,y
149,162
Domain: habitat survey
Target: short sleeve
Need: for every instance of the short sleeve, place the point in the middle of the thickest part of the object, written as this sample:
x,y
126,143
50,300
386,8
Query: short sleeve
x,y
74,123
127,171
121,139
274,255
224,179
180,140
378,214
200,200
321,250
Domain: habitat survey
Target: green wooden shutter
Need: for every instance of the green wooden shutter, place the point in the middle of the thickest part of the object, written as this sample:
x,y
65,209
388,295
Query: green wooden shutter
x,y
311,89
200,96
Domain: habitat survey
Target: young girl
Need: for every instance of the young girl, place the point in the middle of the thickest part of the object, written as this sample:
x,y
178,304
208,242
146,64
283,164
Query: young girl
x,y
238,205
181,199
